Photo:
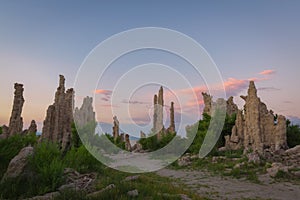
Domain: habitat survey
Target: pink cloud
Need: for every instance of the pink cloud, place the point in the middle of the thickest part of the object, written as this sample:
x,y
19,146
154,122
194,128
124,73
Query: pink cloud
x,y
104,92
267,72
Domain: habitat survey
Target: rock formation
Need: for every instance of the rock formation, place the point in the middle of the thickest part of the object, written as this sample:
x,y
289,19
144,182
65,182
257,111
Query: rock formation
x,y
4,134
57,125
85,115
16,121
127,143
256,128
142,134
116,128
158,126
171,128
32,128
207,103
231,107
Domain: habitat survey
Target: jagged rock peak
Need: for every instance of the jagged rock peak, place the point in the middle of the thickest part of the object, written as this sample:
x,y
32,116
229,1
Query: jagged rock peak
x,y
16,120
57,125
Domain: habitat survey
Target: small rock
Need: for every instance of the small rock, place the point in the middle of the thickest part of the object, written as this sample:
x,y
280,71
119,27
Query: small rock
x,y
184,161
70,186
184,197
275,168
131,178
95,194
48,196
253,157
133,193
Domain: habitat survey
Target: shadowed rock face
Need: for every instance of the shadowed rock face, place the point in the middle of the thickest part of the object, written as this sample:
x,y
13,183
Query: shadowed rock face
x,y
57,125
16,121
127,143
255,128
172,120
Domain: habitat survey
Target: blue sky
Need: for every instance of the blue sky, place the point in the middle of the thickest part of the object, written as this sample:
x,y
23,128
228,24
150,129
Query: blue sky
x,y
41,39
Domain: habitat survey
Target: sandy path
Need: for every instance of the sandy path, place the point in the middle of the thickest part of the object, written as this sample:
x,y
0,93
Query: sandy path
x,y
217,187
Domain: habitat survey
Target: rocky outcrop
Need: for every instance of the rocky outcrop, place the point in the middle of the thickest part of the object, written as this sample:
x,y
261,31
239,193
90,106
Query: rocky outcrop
x,y
4,134
32,129
207,103
57,125
116,128
231,107
158,126
16,120
127,143
18,163
85,115
171,128
255,127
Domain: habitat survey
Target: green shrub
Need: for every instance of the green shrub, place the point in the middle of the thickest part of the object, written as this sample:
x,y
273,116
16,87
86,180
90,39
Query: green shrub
x,y
0,130
152,143
293,135
47,163
81,160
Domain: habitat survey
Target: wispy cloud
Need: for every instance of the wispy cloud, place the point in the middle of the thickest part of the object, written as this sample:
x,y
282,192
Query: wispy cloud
x,y
268,89
106,94
267,72
134,102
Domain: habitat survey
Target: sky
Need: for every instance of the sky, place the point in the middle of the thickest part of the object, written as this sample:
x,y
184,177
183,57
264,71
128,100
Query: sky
x,y
247,40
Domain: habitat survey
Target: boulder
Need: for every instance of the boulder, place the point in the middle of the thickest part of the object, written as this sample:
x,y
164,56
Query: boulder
x,y
18,163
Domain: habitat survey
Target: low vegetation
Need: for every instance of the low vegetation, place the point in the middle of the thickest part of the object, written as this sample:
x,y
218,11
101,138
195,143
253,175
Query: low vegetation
x,y
45,173
293,134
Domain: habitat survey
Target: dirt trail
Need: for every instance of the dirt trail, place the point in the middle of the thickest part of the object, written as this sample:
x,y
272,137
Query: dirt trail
x,y
217,187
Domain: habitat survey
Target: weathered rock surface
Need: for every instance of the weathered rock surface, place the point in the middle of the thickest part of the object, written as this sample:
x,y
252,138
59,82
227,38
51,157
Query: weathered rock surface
x,y
137,147
85,115
232,108
209,105
77,181
16,120
116,128
131,178
275,168
171,128
256,128
48,196
18,163
158,126
127,143
57,125
95,194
